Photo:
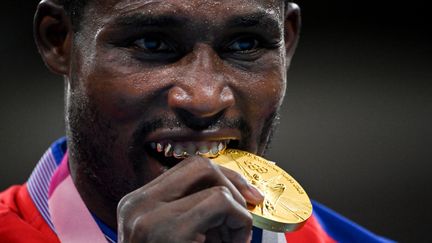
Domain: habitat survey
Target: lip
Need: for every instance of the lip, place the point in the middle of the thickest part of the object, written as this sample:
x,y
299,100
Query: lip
x,y
184,134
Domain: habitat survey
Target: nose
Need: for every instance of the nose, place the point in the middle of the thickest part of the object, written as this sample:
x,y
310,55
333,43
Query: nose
x,y
203,91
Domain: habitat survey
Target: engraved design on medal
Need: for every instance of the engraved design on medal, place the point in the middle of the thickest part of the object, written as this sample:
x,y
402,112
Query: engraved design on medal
x,y
286,206
272,190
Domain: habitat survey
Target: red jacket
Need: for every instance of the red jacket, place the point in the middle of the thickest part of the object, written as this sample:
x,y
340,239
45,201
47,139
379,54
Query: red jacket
x,y
20,221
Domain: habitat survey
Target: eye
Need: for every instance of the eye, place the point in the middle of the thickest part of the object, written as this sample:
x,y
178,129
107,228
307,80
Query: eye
x,y
152,44
244,44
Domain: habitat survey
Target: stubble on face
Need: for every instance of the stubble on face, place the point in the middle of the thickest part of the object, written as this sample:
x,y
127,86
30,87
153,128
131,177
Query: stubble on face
x,y
92,138
114,163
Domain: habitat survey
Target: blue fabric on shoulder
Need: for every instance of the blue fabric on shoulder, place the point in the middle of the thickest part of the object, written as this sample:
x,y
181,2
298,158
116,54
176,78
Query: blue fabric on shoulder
x,y
338,227
110,234
341,229
257,235
58,149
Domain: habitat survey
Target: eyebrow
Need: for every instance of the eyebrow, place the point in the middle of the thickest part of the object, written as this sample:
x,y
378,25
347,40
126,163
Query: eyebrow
x,y
257,19
142,20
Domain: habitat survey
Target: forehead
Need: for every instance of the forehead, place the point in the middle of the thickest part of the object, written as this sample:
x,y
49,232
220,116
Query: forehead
x,y
206,10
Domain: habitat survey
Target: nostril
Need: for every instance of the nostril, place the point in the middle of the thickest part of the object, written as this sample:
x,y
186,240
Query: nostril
x,y
197,122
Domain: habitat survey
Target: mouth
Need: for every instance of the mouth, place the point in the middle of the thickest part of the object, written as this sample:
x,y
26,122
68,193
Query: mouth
x,y
170,152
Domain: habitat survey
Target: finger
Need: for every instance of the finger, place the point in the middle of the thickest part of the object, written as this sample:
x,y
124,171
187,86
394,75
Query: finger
x,y
194,174
249,192
174,212
187,203
166,217
213,236
220,210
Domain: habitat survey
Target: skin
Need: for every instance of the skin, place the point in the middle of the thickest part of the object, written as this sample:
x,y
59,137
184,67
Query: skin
x,y
185,70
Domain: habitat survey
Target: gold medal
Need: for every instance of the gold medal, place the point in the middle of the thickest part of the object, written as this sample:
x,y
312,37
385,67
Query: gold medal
x,y
286,206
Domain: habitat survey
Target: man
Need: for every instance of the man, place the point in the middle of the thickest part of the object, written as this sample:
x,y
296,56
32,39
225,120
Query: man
x,y
151,88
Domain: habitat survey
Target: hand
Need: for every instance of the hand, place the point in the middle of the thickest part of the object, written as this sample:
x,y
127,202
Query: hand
x,y
195,201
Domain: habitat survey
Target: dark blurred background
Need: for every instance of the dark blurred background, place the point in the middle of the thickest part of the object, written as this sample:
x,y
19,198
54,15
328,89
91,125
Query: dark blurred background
x,y
356,123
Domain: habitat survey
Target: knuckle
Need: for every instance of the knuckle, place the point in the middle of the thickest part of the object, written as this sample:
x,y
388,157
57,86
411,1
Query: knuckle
x,y
123,205
132,229
249,220
130,201
206,167
139,227
222,191
242,201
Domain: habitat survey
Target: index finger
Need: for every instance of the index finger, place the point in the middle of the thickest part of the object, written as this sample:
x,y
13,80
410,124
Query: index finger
x,y
191,175
249,192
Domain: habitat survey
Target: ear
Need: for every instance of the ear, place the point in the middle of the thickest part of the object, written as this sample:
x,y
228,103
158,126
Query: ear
x,y
53,36
292,29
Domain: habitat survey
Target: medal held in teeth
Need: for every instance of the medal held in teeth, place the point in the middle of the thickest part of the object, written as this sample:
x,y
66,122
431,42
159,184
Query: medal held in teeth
x,y
286,206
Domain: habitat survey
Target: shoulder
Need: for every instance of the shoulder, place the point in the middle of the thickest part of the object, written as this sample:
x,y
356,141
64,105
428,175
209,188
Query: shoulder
x,y
342,229
20,221
327,226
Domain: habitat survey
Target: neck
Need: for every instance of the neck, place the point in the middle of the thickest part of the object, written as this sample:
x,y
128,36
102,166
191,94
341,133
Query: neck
x,y
104,208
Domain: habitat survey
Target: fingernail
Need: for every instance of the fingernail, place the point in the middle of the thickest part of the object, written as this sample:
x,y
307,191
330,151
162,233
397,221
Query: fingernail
x,y
255,191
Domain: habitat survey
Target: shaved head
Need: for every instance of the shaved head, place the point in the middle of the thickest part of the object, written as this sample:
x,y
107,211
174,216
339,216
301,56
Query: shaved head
x,y
75,8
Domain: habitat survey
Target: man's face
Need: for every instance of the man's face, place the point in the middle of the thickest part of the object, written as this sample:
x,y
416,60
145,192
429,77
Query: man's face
x,y
152,81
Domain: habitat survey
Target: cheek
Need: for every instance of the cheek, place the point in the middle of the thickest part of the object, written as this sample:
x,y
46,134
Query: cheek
x,y
266,102
118,88
264,90
124,94
115,97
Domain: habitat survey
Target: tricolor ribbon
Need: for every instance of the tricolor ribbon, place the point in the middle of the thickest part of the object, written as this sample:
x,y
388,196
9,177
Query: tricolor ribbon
x,y
72,220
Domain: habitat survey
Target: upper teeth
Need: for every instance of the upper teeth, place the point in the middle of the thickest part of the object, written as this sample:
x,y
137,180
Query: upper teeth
x,y
184,149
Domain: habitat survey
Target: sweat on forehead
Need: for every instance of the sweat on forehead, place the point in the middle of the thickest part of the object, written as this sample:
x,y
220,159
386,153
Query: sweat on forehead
x,y
75,8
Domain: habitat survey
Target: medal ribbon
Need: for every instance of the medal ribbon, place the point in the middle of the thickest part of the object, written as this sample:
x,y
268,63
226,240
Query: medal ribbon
x,y
72,220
